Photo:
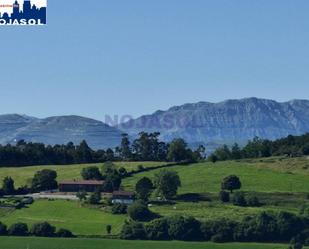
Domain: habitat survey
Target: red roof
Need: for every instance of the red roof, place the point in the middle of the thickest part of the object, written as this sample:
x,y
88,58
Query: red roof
x,y
81,182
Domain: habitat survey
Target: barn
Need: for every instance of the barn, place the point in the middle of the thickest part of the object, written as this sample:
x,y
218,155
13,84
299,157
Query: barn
x,y
80,185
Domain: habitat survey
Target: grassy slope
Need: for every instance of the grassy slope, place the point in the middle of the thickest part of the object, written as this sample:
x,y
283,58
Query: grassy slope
x,y
280,183
22,174
45,243
259,176
66,214
266,176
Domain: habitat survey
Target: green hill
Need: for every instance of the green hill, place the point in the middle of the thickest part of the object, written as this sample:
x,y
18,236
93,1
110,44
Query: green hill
x,y
21,175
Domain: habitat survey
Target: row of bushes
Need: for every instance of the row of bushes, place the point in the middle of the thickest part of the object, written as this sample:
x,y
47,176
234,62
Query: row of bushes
x,y
264,227
43,229
239,199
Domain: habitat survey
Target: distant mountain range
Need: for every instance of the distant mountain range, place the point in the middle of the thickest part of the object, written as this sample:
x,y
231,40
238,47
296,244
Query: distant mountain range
x,y
58,130
199,123
226,122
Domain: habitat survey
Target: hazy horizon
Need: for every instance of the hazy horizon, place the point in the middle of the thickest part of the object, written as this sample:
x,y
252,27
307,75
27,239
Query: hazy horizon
x,y
120,115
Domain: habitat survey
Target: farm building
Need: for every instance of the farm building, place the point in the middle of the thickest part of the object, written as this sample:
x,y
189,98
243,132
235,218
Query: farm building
x,y
80,185
123,197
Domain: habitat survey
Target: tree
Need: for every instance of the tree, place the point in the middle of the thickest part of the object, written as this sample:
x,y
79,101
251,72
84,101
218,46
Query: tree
x,y
107,169
81,195
199,153
18,229
109,229
223,153
236,151
148,148
167,183
231,183
95,197
125,150
44,180
43,229
213,158
91,173
144,188
110,155
84,153
8,186
138,211
177,151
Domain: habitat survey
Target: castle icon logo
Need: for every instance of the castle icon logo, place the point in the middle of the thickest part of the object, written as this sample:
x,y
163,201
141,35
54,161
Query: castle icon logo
x,y
23,12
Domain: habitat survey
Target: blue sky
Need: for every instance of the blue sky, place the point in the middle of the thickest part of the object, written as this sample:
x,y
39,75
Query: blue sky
x,y
134,57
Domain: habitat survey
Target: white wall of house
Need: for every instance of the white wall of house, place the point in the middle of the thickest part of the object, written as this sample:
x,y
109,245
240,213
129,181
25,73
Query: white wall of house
x,y
122,201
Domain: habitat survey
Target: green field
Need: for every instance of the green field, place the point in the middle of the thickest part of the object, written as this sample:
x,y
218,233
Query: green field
x,y
21,175
279,183
270,175
45,243
66,214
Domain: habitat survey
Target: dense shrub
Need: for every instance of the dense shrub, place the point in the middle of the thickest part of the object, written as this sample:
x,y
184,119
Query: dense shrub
x,y
18,229
157,229
109,229
224,196
119,208
219,230
184,228
257,148
138,211
64,233
264,227
253,201
43,229
133,231
95,197
239,199
3,229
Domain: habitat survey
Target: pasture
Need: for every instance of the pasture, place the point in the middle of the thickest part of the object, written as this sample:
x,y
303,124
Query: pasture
x,y
66,214
48,243
22,175
264,175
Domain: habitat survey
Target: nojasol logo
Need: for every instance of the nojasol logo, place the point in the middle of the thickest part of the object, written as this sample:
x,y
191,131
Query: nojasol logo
x,y
23,12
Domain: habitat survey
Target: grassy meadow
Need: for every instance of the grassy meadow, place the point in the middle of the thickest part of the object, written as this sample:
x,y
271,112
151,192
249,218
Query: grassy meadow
x,y
66,214
22,175
279,183
265,175
47,243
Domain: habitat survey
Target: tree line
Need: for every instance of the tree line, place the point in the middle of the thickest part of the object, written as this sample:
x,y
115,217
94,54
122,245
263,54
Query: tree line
x,y
147,147
42,229
291,146
264,227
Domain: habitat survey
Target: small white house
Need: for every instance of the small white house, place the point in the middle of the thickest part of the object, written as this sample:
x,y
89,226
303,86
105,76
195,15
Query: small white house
x,y
123,197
